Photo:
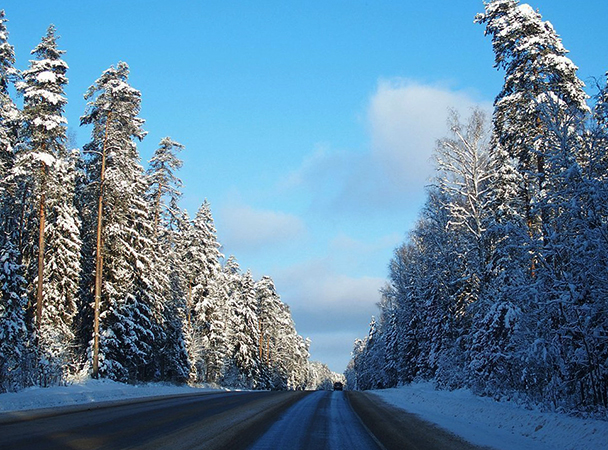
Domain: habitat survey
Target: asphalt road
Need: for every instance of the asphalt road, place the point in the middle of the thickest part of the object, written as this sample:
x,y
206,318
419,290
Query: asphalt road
x,y
233,420
322,420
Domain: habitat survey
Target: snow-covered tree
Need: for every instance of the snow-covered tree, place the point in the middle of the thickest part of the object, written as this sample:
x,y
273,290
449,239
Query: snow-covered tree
x,y
44,176
164,190
199,253
536,66
43,138
9,117
321,377
243,337
282,353
14,351
127,309
163,195
62,274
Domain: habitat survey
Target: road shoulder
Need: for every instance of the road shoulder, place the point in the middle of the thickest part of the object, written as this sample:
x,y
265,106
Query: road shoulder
x,y
397,429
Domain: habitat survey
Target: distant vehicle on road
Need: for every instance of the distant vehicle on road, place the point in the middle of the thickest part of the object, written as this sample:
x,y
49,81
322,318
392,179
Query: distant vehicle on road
x,y
338,386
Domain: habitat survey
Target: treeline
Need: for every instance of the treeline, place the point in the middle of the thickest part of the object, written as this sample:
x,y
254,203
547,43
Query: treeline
x,y
502,286
101,272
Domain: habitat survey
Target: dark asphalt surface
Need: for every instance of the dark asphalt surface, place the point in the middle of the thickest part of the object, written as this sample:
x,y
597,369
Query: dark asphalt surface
x,y
229,420
323,420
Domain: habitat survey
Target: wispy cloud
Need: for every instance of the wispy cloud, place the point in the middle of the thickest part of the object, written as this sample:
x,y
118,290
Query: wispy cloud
x,y
246,229
325,301
360,205
404,120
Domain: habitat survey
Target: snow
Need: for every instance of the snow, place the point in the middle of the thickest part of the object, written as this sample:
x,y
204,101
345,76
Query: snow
x,y
43,157
87,392
527,11
46,77
499,425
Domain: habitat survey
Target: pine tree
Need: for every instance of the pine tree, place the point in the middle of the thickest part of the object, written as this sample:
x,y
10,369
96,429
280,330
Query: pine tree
x,y
44,137
126,308
536,66
44,172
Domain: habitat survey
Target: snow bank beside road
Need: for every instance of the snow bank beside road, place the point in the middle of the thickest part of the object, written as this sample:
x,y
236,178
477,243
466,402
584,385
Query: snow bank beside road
x,y
89,391
504,426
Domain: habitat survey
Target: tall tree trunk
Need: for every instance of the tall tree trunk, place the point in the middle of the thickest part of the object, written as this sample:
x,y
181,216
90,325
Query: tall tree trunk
x,y
157,208
188,303
261,340
22,220
268,352
42,217
99,255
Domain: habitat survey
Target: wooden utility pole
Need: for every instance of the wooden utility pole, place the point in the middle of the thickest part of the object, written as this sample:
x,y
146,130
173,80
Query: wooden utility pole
x,y
99,255
42,217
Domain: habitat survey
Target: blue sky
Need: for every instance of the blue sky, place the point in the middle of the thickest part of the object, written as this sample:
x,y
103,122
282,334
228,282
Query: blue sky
x,y
308,125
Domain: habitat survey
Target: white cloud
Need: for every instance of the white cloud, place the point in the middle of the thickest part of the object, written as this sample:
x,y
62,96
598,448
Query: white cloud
x,y
334,348
317,287
381,189
344,243
328,306
404,119
245,229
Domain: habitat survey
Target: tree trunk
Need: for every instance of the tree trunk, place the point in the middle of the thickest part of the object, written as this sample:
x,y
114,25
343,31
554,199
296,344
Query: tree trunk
x,y
157,208
268,352
99,256
261,341
42,218
188,303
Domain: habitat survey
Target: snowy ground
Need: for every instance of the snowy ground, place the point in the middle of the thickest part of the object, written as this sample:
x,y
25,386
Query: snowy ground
x,y
86,392
503,426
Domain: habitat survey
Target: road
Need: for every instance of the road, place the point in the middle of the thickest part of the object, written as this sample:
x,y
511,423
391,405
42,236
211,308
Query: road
x,y
233,420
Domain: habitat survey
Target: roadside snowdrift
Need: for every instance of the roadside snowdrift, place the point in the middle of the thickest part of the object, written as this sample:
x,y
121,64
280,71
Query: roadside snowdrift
x,y
89,391
504,425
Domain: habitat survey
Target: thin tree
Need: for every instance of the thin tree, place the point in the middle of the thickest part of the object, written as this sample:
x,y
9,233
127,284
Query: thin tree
x,y
44,130
112,109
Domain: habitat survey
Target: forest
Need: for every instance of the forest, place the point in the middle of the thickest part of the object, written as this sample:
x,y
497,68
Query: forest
x,y
502,285
101,272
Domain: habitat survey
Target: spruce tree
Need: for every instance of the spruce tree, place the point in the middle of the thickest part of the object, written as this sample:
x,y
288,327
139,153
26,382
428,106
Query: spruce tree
x,y
206,302
61,281
9,120
15,372
164,186
163,195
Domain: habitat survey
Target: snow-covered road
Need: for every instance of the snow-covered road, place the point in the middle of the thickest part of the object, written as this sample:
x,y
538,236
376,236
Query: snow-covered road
x,y
322,420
